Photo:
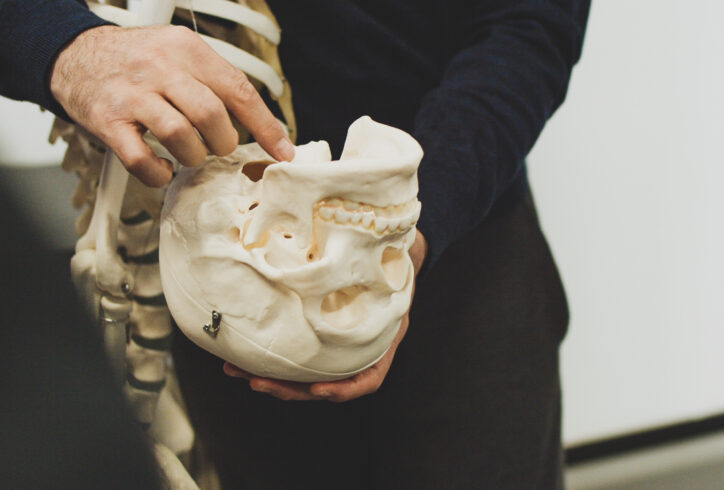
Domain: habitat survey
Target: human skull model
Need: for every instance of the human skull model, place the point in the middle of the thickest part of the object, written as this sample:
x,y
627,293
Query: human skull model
x,y
295,270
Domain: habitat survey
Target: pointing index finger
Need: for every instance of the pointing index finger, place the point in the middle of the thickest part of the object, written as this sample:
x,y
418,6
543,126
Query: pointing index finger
x,y
243,100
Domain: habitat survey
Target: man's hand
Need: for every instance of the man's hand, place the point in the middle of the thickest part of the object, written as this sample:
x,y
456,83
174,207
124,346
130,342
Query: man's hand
x,y
117,82
364,383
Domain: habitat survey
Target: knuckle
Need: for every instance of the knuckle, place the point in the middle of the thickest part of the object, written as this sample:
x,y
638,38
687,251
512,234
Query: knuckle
x,y
270,128
245,90
98,116
156,59
212,112
105,113
172,41
134,163
173,129
180,34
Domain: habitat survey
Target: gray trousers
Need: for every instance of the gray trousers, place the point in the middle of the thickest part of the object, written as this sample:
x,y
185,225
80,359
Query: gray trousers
x,y
472,400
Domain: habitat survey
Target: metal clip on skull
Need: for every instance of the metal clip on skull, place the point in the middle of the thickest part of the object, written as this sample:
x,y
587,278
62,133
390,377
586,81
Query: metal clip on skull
x,y
213,328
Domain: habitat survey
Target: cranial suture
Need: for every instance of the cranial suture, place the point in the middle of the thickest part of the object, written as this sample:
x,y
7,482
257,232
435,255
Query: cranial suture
x,y
304,263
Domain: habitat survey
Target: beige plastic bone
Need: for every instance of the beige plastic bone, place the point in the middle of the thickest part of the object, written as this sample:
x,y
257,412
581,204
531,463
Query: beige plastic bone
x,y
97,251
103,278
224,9
295,270
106,281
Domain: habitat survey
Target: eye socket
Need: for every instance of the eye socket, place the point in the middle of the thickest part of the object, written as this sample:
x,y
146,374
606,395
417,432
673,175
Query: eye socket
x,y
255,170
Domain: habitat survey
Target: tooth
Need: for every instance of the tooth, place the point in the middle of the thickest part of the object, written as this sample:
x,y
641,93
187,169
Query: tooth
x,y
326,213
367,208
341,216
351,205
381,224
395,223
367,219
335,202
406,222
416,212
356,218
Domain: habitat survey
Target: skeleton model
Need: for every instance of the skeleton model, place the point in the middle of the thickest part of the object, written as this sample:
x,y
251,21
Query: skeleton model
x,y
115,267
357,215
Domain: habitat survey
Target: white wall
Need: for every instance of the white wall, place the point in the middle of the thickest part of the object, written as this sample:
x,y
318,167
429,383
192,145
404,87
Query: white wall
x,y
30,172
24,130
628,178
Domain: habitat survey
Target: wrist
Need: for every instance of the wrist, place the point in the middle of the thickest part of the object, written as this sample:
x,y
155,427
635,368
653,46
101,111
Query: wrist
x,y
62,67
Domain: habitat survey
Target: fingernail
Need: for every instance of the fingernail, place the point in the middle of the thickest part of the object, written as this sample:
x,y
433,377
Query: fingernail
x,y
261,389
285,150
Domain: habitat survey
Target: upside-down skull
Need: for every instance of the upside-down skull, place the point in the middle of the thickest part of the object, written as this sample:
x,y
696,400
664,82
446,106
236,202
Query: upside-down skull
x,y
295,270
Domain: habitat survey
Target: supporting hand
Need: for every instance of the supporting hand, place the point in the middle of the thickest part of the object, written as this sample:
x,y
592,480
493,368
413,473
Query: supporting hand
x,y
363,383
117,82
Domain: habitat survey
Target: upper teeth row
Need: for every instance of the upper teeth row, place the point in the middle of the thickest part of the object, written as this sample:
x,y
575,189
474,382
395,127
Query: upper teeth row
x,y
391,211
345,212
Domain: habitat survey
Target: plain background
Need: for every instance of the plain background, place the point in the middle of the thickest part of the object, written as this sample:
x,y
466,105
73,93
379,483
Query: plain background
x,y
628,179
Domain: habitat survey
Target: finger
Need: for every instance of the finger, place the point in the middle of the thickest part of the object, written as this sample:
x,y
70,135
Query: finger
x,y
284,390
172,129
126,140
239,95
364,383
235,372
206,113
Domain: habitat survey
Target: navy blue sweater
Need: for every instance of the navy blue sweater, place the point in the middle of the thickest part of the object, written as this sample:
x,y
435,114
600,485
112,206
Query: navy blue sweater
x,y
473,81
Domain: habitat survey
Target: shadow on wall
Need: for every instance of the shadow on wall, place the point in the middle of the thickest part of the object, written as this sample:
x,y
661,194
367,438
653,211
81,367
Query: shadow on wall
x,y
30,175
42,196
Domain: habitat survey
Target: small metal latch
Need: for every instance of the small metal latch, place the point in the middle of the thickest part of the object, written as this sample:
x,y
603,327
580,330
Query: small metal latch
x,y
213,328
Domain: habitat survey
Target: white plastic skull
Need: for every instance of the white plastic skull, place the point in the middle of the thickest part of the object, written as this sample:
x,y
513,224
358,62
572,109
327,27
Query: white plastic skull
x,y
305,263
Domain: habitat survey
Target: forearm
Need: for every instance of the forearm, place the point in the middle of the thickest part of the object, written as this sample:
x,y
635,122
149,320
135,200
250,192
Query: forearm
x,y
32,33
510,74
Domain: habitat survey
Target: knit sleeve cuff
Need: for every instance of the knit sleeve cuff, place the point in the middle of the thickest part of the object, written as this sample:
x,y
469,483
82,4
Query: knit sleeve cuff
x,y
56,24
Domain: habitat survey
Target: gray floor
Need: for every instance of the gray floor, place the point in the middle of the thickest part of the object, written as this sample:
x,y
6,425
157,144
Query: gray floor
x,y
697,464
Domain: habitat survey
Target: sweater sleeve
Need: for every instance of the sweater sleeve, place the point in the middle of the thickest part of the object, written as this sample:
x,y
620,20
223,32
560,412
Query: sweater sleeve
x,y
32,33
508,75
